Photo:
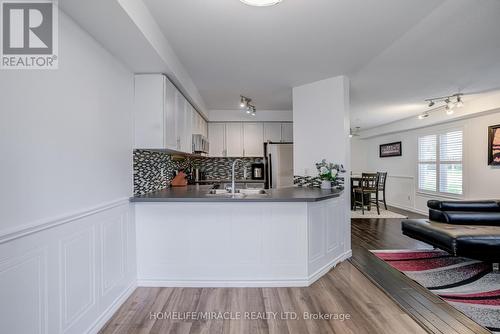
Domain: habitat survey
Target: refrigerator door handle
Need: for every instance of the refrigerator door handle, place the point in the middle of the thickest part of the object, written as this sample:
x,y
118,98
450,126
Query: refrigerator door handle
x,y
270,171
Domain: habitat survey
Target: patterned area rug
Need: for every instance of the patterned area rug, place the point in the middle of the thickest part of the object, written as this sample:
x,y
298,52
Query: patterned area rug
x,y
373,214
468,285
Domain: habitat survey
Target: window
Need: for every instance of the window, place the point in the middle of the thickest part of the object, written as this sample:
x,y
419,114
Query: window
x,y
440,163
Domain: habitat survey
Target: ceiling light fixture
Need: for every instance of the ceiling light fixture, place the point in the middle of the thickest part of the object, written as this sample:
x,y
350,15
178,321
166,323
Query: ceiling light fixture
x,y
450,102
354,133
424,115
261,3
246,106
244,101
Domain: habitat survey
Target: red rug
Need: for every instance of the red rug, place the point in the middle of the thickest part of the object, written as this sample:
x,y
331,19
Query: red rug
x,y
469,285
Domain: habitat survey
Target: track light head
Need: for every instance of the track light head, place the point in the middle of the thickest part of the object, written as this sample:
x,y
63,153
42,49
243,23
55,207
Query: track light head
x,y
460,103
431,103
449,104
422,116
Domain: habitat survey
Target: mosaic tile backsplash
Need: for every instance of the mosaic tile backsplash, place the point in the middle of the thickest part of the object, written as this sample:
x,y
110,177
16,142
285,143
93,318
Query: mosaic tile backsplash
x,y
154,170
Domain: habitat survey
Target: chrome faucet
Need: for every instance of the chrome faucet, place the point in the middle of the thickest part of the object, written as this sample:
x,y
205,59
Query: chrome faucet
x,y
233,186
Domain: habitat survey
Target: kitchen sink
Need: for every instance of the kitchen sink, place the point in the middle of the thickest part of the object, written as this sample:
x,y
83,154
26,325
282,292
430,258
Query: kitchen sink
x,y
251,191
238,193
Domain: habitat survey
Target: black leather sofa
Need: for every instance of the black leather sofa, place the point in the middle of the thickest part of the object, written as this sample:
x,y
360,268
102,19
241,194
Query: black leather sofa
x,y
467,228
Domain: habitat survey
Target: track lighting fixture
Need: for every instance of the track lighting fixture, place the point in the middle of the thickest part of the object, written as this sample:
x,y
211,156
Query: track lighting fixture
x,y
246,106
450,102
244,101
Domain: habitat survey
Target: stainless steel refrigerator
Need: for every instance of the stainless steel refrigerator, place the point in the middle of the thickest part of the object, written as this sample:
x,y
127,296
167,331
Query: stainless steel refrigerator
x,y
278,164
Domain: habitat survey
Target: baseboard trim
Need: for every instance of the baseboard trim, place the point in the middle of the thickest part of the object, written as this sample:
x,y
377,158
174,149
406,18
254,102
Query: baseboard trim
x,y
281,283
150,283
407,208
46,224
326,268
110,311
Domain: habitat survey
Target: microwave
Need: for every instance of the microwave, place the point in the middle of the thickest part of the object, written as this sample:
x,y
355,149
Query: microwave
x,y
200,144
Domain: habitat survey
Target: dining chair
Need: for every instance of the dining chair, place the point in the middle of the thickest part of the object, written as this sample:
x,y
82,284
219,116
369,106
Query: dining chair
x,y
369,185
382,178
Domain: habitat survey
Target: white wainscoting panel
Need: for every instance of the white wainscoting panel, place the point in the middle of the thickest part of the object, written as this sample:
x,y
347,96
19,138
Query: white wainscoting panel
x,y
221,244
400,191
23,285
326,224
70,276
77,289
239,244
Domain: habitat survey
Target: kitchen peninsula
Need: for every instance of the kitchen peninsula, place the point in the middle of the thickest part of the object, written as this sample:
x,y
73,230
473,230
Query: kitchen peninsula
x,y
285,237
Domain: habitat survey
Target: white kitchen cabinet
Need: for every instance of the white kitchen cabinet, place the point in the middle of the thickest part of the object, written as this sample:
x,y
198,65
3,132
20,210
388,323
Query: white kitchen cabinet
x,y
287,132
253,140
162,115
272,132
217,139
180,119
170,115
234,139
187,139
199,125
148,111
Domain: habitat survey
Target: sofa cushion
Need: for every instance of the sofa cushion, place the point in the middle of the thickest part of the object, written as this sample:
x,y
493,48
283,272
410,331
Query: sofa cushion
x,y
471,206
473,241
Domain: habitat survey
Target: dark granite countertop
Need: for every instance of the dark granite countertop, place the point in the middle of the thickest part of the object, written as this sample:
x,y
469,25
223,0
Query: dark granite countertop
x,y
200,194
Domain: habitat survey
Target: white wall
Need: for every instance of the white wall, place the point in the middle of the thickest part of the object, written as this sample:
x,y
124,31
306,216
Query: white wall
x,y
240,116
480,180
320,124
67,236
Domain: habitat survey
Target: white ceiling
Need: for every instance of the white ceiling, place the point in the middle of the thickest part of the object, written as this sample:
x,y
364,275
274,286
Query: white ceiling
x,y
396,52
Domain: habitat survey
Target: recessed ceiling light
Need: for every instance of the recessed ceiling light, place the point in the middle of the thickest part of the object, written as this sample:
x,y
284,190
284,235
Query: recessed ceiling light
x,y
261,3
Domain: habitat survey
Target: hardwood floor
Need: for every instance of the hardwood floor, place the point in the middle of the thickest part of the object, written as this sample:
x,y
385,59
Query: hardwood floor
x,y
343,291
434,314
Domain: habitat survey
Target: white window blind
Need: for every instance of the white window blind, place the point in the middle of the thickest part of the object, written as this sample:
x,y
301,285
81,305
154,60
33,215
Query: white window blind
x,y
440,163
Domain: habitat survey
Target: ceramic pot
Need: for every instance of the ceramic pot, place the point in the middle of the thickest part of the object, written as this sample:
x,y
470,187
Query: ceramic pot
x,y
325,184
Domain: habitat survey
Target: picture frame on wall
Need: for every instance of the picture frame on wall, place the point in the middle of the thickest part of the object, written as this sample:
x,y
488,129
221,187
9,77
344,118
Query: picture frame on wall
x,y
391,150
494,145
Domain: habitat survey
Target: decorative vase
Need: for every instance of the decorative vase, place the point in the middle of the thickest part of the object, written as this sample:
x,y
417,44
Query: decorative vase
x,y
325,184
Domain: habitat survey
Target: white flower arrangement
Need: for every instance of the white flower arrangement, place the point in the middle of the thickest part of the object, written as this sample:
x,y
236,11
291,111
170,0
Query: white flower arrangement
x,y
329,171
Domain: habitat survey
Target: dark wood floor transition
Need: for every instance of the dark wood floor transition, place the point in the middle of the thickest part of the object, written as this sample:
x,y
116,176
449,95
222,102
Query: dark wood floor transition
x,y
363,295
431,312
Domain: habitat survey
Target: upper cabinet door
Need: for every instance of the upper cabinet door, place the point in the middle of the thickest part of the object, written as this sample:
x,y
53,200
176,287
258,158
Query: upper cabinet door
x,y
148,111
234,139
272,132
169,116
253,140
187,140
216,138
180,119
287,132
